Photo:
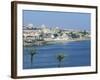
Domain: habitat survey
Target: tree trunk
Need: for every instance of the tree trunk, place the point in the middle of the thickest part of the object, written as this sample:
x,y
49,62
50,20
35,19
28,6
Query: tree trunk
x,y
59,65
31,59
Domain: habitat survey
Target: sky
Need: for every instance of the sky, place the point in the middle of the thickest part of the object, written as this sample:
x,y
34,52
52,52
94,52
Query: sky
x,y
64,20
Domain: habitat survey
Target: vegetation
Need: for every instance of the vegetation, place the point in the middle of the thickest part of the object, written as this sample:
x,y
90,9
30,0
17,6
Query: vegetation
x,y
32,54
60,58
55,35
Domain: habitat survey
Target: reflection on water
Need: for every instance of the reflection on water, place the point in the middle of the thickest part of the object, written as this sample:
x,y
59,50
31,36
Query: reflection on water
x,y
76,53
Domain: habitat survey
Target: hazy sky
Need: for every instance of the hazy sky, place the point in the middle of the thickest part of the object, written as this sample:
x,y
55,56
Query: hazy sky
x,y
68,20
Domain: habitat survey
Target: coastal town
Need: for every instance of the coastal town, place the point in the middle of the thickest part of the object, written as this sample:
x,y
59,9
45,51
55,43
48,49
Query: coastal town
x,y
40,35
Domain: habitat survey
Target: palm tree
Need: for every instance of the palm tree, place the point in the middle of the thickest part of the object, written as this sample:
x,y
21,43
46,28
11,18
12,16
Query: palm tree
x,y
32,53
60,57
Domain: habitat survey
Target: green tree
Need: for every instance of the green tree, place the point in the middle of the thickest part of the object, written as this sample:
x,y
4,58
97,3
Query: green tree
x,y
60,58
84,32
55,35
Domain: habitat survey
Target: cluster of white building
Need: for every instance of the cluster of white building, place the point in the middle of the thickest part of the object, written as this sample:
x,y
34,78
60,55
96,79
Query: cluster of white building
x,y
43,33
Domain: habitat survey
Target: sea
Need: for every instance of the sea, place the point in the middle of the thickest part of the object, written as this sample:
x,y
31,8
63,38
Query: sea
x,y
75,54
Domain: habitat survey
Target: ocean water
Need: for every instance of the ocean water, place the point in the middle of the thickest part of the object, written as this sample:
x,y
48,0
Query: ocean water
x,y
76,53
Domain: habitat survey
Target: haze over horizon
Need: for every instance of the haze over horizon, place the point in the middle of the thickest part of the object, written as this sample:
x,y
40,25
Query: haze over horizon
x,y
63,20
39,26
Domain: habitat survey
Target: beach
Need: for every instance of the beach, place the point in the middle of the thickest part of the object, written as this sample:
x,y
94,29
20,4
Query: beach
x,y
53,41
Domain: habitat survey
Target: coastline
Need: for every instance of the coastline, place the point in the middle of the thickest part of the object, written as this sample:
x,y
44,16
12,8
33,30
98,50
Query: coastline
x,y
69,40
39,43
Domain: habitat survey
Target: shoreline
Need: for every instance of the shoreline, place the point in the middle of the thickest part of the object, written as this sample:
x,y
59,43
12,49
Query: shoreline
x,y
66,41
39,43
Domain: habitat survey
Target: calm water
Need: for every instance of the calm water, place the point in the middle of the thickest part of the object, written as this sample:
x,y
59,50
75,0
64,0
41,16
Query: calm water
x,y
76,53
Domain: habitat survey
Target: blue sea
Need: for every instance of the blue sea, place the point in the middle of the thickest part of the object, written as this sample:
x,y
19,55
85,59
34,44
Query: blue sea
x,y
76,53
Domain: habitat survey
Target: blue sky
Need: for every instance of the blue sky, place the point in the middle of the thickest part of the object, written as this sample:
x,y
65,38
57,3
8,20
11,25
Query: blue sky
x,y
65,20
